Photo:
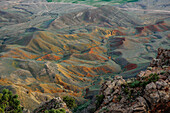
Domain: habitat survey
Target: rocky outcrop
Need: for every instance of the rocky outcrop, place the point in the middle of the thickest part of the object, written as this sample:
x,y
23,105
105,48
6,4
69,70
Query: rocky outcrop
x,y
162,59
125,99
148,92
56,103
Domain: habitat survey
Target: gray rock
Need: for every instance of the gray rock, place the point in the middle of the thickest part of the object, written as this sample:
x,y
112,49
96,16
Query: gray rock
x,y
55,103
164,96
161,84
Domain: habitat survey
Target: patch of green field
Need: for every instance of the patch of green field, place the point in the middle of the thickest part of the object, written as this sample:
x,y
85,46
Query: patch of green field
x,y
49,0
94,2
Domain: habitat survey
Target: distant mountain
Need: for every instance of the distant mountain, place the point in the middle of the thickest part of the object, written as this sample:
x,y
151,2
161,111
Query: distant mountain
x,y
105,16
148,10
17,16
149,4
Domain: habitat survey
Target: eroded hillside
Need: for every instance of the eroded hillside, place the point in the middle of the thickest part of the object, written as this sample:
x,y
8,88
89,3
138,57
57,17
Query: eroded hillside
x,y
62,49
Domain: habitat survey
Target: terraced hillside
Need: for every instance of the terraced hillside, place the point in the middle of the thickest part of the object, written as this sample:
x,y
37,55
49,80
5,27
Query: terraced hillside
x,y
50,49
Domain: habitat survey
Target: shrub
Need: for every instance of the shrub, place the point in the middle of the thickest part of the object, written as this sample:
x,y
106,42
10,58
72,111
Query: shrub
x,y
92,110
126,90
143,84
119,97
9,103
135,83
130,94
62,110
70,102
99,99
153,77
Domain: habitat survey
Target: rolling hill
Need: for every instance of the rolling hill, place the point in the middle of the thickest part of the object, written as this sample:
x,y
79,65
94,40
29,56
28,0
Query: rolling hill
x,y
51,49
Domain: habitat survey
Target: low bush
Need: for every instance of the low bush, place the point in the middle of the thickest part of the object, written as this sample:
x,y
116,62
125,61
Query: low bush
x,y
147,80
70,102
119,97
134,84
99,101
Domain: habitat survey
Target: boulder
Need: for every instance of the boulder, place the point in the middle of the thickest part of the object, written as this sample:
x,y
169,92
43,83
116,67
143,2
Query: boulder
x,y
161,84
55,103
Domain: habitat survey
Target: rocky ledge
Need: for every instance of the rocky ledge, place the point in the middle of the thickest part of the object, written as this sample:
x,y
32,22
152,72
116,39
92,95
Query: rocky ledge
x,y
148,92
54,104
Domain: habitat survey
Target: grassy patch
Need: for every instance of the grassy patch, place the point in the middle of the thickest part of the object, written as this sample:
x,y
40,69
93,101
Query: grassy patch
x,y
49,0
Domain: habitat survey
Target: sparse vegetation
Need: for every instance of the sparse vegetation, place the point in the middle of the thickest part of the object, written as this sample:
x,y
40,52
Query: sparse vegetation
x,y
92,110
129,90
151,78
83,106
162,72
70,101
125,88
104,110
49,0
9,103
134,84
99,99
119,97
56,111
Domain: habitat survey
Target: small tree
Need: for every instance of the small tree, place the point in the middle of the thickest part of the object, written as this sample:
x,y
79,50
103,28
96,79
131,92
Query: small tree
x,y
70,102
9,103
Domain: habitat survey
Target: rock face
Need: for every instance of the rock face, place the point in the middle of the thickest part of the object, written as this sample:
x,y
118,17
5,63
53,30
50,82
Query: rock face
x,y
148,92
56,103
162,59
